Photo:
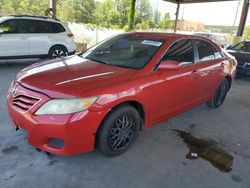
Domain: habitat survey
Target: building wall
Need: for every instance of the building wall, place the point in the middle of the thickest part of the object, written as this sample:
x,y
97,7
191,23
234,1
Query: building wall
x,y
185,25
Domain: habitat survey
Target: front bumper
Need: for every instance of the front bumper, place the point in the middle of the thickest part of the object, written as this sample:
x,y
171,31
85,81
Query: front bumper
x,y
77,131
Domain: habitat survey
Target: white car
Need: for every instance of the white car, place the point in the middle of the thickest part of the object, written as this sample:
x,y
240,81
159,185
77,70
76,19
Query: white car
x,y
24,36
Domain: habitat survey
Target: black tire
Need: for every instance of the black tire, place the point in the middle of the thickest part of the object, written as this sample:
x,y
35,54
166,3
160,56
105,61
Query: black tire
x,y
220,95
118,131
57,52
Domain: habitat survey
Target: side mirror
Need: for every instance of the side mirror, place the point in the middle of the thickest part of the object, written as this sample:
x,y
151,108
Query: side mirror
x,y
170,65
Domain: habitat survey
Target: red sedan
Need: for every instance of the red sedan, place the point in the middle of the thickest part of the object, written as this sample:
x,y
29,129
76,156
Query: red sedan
x,y
104,96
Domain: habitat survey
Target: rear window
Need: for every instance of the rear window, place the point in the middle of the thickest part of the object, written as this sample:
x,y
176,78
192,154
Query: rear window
x,y
37,26
57,28
205,50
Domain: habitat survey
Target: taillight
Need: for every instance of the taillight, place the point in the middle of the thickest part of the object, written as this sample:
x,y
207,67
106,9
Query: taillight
x,y
70,36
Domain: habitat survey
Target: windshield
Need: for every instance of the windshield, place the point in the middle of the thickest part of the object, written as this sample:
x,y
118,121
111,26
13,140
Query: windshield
x,y
129,51
242,46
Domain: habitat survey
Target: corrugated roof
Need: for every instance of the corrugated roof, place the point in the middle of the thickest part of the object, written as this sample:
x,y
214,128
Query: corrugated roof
x,y
195,1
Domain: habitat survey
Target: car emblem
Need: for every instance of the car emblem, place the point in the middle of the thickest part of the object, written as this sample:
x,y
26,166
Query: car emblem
x,y
13,90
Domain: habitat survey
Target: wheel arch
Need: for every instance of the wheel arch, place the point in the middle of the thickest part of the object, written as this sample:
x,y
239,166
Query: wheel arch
x,y
60,45
137,105
229,79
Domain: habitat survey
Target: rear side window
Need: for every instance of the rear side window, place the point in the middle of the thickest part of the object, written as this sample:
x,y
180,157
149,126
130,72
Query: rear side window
x,y
37,26
217,54
205,50
181,51
44,27
57,28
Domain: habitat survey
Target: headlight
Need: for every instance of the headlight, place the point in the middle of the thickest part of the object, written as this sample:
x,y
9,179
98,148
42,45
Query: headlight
x,y
65,106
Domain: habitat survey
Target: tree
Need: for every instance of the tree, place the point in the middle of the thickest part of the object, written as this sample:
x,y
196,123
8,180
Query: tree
x,y
65,11
84,11
144,11
131,19
34,7
157,18
166,23
123,9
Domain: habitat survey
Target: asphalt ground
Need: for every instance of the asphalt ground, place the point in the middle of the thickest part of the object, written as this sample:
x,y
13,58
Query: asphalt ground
x,y
157,159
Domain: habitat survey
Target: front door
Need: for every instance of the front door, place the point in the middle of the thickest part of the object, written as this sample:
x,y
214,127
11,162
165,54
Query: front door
x,y
172,91
13,38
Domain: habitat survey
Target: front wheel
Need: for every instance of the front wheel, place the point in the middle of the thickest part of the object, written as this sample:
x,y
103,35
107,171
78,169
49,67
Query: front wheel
x,y
119,131
220,95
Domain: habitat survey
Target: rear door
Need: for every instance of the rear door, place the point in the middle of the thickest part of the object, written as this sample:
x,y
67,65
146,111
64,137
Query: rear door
x,y
14,39
40,33
208,70
172,91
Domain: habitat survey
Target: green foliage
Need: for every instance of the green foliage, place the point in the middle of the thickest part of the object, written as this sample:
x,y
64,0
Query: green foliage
x,y
157,18
65,11
144,11
123,9
117,14
246,35
166,23
221,29
34,7
84,10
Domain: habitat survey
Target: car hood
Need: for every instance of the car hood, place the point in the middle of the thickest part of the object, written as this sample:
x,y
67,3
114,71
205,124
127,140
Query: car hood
x,y
71,76
240,55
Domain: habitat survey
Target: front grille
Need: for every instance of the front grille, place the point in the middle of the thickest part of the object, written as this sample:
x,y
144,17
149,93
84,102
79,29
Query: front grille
x,y
247,66
24,102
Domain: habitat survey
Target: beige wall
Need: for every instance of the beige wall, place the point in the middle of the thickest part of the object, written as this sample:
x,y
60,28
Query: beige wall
x,y
185,25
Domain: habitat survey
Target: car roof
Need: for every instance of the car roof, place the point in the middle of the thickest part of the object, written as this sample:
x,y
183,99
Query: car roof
x,y
29,17
165,35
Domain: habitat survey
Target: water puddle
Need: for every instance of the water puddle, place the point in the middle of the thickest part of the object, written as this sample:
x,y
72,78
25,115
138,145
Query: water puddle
x,y
208,150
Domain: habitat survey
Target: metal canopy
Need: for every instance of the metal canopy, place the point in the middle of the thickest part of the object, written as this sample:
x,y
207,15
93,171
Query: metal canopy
x,y
195,1
243,17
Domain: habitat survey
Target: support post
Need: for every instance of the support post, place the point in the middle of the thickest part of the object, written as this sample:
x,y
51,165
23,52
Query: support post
x,y
176,16
53,7
243,18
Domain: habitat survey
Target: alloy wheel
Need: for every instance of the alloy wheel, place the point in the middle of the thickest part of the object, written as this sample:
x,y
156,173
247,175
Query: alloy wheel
x,y
122,132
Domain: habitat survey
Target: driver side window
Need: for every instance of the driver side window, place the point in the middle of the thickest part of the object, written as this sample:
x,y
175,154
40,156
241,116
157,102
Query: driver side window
x,y
181,51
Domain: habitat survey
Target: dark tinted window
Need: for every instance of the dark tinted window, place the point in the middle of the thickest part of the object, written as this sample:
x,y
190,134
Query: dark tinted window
x,y
57,28
217,54
45,27
131,51
36,26
242,46
205,50
13,26
181,51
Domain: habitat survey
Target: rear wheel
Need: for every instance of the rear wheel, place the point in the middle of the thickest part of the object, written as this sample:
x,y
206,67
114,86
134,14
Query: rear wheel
x,y
119,131
57,52
220,95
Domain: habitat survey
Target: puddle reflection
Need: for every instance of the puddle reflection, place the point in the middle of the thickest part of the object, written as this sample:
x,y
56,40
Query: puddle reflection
x,y
208,150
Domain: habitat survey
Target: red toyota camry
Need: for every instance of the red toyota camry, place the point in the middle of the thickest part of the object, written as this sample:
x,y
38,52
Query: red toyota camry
x,y
104,96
